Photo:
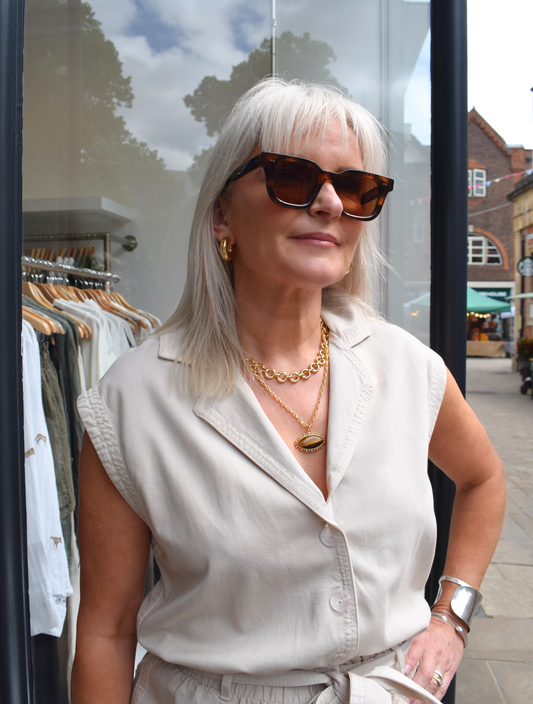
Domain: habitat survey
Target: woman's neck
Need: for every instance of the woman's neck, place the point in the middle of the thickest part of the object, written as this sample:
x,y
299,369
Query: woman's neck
x,y
279,328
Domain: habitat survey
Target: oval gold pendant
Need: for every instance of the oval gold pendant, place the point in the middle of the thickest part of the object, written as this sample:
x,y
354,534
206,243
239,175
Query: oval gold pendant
x,y
311,442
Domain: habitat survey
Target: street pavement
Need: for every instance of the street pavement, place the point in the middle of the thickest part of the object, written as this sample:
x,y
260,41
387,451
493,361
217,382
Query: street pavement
x,y
497,667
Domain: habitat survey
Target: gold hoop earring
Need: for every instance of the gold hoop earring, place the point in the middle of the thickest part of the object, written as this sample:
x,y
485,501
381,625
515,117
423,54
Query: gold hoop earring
x,y
226,250
349,269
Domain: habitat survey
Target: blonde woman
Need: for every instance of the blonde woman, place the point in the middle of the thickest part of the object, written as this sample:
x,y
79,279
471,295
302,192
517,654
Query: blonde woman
x,y
271,444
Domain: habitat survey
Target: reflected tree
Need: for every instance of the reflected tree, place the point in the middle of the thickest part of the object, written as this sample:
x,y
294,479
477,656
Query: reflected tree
x,y
113,163
300,57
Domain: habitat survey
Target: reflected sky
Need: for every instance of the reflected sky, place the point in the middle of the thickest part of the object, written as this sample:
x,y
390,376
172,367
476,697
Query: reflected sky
x,y
168,47
417,108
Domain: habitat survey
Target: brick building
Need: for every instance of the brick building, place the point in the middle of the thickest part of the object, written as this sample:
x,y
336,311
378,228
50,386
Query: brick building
x,y
522,198
491,251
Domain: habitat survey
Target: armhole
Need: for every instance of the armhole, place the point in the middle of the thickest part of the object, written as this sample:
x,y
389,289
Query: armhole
x,y
104,439
438,387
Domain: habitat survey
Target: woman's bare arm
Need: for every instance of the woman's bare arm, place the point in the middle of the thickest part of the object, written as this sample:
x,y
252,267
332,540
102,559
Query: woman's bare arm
x,y
114,549
461,448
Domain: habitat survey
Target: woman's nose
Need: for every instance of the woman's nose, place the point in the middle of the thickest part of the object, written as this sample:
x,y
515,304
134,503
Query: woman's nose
x,y
327,202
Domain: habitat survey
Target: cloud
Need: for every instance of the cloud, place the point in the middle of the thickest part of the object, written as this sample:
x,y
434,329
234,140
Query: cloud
x,y
167,48
499,66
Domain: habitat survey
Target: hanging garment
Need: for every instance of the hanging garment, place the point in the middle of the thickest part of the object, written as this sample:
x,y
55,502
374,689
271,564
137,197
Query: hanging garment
x,y
98,352
145,328
69,378
54,412
156,323
48,575
121,331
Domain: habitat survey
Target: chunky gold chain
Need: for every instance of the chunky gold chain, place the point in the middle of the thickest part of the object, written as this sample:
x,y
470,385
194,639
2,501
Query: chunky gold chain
x,y
325,337
320,360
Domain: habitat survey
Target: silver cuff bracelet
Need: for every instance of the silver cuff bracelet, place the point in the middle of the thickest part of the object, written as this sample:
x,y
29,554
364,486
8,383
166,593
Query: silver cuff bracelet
x,y
460,631
464,601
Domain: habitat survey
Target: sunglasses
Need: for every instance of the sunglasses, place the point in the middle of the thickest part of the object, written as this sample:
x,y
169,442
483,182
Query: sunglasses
x,y
295,182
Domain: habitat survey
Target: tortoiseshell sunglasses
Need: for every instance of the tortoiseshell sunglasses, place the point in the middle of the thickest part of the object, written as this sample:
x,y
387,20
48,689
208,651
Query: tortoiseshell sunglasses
x,y
295,182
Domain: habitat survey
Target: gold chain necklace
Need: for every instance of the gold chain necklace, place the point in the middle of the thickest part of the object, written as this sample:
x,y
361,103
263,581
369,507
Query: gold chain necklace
x,y
309,442
320,360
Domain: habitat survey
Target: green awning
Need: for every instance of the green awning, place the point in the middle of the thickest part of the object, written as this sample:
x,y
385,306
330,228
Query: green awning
x,y
521,295
475,303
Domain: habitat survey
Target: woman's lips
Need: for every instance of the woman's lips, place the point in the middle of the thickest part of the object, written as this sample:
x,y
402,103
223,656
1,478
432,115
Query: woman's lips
x,y
320,238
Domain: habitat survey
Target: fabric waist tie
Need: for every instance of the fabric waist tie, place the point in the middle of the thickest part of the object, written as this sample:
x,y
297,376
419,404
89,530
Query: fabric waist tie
x,y
369,681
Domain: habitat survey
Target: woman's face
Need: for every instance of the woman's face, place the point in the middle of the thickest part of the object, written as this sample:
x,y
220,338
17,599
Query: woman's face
x,y
288,247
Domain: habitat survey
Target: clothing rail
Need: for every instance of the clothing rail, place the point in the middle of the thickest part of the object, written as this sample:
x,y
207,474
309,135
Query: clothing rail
x,y
106,276
129,242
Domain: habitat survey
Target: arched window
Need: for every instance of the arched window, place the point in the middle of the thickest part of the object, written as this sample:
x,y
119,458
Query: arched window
x,y
482,251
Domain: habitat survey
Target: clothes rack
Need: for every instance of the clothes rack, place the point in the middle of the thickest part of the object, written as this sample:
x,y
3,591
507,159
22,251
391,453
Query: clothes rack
x,y
105,276
129,242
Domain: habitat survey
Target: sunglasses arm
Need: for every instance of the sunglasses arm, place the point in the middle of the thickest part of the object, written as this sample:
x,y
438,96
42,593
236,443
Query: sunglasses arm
x,y
243,169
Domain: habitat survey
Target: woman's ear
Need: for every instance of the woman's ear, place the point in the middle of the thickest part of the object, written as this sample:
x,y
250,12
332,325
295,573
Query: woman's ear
x,y
220,222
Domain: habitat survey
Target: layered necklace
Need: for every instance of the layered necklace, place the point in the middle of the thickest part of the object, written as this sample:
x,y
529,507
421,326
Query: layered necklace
x,y
309,441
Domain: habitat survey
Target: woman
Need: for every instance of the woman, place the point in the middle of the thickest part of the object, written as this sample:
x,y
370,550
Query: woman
x,y
292,522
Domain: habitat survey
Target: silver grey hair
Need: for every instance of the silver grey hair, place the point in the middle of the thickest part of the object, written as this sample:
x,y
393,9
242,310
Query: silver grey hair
x,y
269,117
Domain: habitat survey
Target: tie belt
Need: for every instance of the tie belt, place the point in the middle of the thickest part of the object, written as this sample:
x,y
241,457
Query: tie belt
x,y
368,681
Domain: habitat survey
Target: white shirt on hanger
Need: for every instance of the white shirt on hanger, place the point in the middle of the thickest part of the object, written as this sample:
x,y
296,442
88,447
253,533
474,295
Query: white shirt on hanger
x,y
143,332
98,352
120,329
48,574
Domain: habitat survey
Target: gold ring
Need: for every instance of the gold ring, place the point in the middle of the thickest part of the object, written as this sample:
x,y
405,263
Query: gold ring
x,y
438,677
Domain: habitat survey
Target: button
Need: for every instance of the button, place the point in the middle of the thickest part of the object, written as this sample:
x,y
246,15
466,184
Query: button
x,y
340,600
330,536
338,659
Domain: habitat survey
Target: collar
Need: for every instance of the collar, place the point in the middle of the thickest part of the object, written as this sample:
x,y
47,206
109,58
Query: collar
x,y
259,440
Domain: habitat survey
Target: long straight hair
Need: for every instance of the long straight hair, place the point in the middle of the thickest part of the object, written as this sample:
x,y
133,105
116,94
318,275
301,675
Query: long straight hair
x,y
272,115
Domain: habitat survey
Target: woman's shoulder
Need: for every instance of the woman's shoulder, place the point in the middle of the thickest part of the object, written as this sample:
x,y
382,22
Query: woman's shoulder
x,y
354,324
147,364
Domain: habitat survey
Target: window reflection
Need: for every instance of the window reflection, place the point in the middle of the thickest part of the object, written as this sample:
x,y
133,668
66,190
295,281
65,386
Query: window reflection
x,y
123,101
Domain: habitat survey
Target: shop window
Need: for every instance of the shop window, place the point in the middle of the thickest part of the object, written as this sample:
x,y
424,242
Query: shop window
x,y
477,183
482,251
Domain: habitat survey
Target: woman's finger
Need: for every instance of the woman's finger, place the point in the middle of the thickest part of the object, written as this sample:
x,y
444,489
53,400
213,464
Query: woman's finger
x,y
434,657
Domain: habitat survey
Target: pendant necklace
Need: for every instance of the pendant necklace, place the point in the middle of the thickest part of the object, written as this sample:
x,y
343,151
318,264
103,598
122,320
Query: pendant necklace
x,y
309,441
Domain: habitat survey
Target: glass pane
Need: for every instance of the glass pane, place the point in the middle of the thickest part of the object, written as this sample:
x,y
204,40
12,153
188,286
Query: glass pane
x,y
479,183
122,104
123,101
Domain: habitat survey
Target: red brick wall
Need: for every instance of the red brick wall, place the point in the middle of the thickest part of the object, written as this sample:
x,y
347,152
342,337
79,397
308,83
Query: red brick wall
x,y
484,152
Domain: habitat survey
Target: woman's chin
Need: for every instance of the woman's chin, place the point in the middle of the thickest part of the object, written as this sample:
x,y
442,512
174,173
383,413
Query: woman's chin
x,y
319,277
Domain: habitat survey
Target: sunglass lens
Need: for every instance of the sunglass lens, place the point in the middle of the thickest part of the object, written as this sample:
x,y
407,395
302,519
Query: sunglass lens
x,y
359,193
294,181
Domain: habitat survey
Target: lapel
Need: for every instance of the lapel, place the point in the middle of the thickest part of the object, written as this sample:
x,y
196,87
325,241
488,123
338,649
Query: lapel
x,y
240,419
350,391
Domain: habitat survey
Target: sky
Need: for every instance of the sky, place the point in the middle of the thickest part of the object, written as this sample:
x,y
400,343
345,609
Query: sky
x,y
168,46
500,66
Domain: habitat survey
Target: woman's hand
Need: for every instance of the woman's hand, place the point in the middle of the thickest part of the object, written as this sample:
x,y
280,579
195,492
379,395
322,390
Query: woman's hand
x,y
440,648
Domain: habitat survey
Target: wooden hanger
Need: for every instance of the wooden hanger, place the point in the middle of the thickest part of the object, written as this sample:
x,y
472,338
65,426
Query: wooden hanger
x,y
34,292
121,301
37,321
78,294
102,299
